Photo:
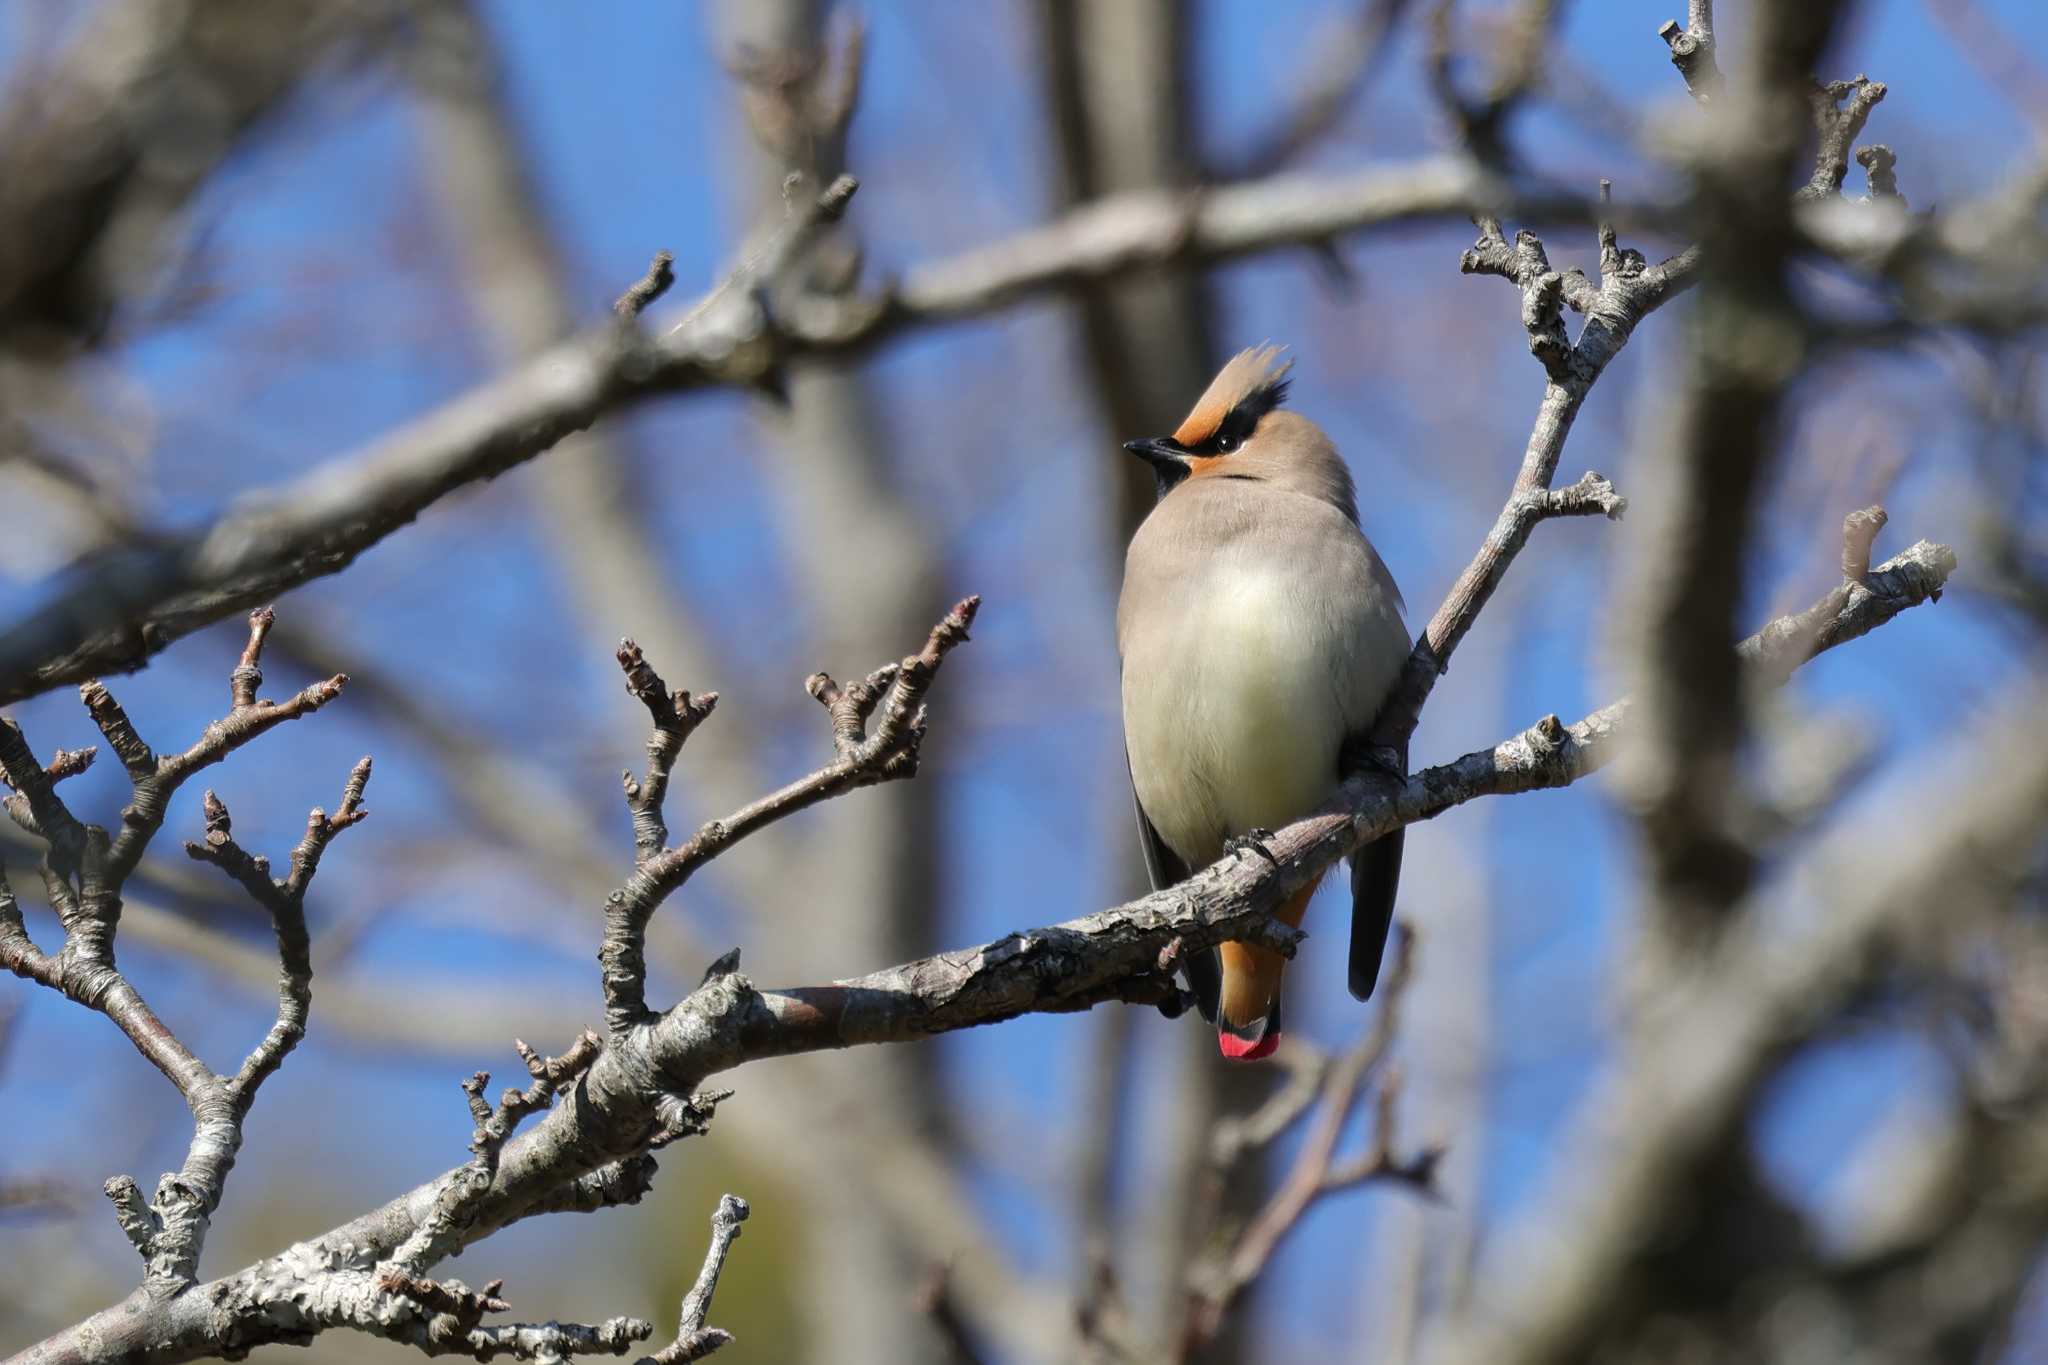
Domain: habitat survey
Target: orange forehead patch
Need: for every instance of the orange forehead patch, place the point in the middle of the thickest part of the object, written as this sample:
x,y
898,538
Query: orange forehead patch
x,y
1247,373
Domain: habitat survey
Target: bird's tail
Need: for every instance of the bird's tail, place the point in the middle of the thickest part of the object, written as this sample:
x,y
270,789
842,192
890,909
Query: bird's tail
x,y
1248,1008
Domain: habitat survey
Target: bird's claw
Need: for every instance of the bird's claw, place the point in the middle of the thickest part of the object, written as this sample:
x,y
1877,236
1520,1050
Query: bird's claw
x,y
1379,758
1251,841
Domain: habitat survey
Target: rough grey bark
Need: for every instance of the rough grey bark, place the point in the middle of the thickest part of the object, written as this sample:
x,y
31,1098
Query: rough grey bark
x,y
1758,998
643,1086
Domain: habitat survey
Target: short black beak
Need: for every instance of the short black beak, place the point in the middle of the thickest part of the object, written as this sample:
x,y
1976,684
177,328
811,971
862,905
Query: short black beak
x,y
1168,458
1163,453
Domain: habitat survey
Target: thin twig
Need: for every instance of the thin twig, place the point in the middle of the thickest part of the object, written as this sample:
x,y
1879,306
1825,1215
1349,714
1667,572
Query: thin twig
x,y
889,754
1315,1173
694,1340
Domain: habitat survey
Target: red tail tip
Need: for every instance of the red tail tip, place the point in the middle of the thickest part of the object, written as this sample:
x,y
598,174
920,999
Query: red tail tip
x,y
1237,1049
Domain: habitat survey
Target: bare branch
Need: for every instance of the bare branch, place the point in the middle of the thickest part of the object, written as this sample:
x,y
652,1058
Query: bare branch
x,y
18,952
675,715
1682,1106
116,618
1692,50
611,1116
458,1201
549,1075
616,1183
1880,164
128,746
445,1317
35,805
649,287
891,753
1838,126
1629,290
1859,533
247,717
138,1221
1746,340
84,875
694,1340
1216,1287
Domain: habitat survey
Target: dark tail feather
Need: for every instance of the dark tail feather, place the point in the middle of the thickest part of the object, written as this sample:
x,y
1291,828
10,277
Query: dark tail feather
x,y
1205,977
1375,876
1205,980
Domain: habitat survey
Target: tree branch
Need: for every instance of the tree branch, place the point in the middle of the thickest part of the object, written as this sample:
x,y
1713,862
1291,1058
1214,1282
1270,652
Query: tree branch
x,y
1629,289
85,871
1692,50
895,691
285,899
1217,1286
1680,1094
632,1097
694,1340
127,607
1746,341
675,715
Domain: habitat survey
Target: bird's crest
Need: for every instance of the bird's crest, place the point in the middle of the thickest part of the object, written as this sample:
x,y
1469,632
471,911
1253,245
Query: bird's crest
x,y
1243,391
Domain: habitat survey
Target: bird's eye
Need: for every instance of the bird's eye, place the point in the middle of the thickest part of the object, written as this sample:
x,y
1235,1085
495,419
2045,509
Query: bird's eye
x,y
1226,444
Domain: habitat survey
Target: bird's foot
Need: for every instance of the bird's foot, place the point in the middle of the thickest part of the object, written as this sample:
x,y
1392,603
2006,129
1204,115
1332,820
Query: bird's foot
x,y
1251,841
1378,758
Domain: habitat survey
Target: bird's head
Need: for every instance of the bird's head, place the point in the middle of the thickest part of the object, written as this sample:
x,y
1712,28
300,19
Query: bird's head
x,y
1238,430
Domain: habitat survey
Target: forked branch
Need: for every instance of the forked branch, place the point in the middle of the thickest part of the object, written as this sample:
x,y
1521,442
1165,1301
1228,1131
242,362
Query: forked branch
x,y
84,872
892,697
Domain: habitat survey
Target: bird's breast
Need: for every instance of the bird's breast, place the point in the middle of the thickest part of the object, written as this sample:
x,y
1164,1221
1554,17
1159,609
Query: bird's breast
x,y
1235,703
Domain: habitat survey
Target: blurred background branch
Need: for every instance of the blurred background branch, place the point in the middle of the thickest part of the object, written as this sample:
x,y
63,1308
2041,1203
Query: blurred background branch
x,y
1736,1056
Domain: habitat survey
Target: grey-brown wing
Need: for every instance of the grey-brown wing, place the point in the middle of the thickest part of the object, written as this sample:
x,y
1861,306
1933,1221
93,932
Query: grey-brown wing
x,y
1204,974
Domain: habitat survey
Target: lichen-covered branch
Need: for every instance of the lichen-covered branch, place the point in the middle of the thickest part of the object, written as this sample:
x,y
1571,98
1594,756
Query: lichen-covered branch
x,y
644,1086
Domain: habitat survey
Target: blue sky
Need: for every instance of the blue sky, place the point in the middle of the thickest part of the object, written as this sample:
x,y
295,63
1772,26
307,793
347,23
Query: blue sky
x,y
334,314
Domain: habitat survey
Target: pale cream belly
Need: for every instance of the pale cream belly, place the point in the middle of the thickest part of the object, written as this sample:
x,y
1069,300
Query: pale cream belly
x,y
1233,718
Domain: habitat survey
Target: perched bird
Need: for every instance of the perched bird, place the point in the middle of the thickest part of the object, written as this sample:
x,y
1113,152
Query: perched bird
x,y
1259,633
